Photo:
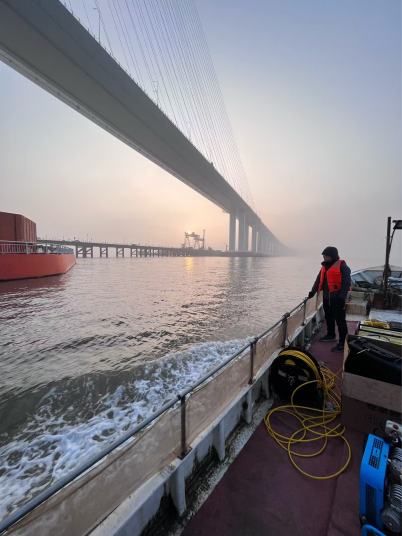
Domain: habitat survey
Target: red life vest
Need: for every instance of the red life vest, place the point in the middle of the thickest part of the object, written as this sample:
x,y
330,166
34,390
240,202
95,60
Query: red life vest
x,y
334,277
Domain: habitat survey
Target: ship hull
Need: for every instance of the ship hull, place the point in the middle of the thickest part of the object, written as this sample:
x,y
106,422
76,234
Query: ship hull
x,y
21,266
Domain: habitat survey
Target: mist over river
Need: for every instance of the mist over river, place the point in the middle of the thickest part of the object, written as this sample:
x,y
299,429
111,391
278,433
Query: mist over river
x,y
86,355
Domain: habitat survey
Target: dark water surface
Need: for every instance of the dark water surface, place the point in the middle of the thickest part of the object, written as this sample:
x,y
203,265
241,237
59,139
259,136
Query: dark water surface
x,y
87,355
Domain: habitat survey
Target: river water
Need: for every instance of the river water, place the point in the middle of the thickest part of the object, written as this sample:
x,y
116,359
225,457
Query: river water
x,y
87,355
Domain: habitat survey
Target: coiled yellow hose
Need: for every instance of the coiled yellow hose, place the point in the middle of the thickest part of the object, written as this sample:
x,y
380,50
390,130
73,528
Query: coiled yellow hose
x,y
313,422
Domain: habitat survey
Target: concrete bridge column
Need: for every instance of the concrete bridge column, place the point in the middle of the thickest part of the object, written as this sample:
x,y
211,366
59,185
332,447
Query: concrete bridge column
x,y
246,233
232,232
254,238
242,232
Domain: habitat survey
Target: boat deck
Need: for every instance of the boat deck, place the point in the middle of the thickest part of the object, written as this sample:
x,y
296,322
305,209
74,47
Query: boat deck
x,y
262,494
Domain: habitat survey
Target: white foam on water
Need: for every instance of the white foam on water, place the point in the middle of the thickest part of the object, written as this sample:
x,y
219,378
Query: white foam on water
x,y
51,446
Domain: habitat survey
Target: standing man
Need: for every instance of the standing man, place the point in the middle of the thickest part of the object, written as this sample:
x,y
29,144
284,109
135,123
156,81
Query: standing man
x,y
334,280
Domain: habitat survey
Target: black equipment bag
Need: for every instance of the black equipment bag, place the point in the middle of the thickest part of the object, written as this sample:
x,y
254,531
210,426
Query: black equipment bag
x,y
287,372
374,359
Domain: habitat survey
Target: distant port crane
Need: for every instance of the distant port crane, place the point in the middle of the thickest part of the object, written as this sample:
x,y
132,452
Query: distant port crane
x,y
194,241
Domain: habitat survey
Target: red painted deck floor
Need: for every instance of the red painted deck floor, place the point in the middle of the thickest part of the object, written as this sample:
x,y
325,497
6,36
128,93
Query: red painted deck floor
x,y
262,494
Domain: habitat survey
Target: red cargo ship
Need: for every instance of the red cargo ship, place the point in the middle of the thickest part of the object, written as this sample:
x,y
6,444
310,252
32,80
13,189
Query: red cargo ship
x,y
20,255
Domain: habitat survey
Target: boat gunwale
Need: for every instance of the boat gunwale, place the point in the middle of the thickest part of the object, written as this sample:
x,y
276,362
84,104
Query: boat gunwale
x,y
61,483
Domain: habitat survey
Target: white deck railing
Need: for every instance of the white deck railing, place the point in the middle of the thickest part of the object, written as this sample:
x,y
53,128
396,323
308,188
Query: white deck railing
x,y
27,248
146,449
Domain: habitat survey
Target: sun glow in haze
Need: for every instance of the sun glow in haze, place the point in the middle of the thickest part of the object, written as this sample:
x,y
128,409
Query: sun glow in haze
x,y
313,92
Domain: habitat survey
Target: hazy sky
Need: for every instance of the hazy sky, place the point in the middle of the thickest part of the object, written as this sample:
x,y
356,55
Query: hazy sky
x,y
313,90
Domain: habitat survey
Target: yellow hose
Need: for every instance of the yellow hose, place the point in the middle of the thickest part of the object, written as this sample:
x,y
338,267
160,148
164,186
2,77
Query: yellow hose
x,y
315,425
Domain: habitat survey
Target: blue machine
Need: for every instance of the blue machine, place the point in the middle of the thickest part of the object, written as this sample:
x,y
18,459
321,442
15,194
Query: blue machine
x,y
373,471
369,530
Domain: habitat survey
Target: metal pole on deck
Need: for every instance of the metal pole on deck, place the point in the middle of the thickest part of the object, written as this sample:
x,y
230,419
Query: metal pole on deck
x,y
285,328
387,252
252,356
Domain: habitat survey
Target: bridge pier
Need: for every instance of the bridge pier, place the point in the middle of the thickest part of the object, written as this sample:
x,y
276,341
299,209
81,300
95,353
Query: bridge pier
x,y
246,233
242,246
232,231
259,242
103,251
254,239
84,251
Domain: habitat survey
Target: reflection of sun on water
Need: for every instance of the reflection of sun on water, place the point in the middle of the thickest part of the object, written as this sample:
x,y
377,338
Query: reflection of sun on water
x,y
189,264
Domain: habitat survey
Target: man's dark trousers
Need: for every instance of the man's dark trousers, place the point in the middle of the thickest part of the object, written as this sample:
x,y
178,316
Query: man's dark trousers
x,y
334,309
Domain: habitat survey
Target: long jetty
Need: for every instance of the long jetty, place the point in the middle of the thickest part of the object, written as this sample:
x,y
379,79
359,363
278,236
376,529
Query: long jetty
x,y
86,249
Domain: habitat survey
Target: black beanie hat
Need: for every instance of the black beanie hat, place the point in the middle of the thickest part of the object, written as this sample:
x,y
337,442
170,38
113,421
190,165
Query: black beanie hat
x,y
332,252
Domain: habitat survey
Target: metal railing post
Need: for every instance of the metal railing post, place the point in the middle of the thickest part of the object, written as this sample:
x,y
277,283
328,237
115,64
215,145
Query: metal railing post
x,y
304,311
285,328
60,483
253,346
184,448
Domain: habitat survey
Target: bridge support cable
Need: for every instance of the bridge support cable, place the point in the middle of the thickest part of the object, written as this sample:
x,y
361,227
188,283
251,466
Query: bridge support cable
x,y
185,82
232,232
177,54
142,20
115,16
86,14
164,39
173,71
129,41
141,49
168,70
208,77
195,59
103,26
118,35
158,62
213,148
198,30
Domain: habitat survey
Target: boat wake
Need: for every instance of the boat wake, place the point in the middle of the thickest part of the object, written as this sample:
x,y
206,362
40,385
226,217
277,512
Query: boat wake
x,y
51,430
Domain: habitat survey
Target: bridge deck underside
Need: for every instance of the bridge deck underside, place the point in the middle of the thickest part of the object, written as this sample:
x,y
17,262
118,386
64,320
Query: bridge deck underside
x,y
47,44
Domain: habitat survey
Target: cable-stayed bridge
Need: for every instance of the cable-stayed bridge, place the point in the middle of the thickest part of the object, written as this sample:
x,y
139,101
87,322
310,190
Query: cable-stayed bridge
x,y
142,71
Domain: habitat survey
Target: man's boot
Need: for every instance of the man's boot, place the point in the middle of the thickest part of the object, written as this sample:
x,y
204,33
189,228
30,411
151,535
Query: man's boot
x,y
328,338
